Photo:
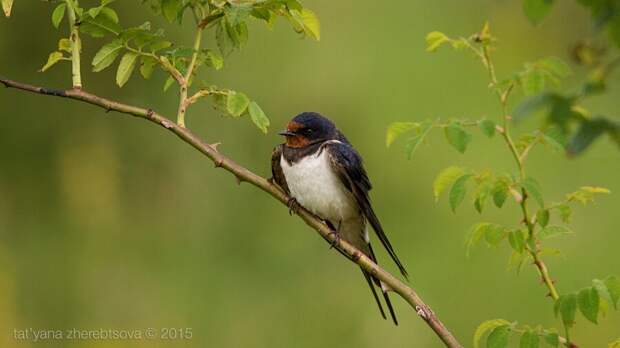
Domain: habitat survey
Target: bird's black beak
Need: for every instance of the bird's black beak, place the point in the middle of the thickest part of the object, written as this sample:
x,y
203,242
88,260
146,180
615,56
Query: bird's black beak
x,y
287,133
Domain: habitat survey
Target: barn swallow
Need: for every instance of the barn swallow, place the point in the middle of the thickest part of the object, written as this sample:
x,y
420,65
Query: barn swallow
x,y
321,171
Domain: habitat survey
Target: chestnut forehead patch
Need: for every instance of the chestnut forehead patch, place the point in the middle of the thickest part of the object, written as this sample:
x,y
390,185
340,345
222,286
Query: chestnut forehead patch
x,y
294,126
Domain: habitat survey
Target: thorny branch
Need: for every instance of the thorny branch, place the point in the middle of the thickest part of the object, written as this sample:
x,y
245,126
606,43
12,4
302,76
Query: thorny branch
x,y
245,175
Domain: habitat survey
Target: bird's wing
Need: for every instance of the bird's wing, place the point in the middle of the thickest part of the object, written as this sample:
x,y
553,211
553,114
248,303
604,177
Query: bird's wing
x,y
347,164
276,170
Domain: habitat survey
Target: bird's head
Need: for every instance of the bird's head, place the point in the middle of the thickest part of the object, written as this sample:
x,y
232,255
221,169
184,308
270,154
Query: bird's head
x,y
309,128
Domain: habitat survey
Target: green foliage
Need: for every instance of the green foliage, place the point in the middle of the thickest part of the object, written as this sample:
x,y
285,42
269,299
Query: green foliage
x,y
537,10
396,129
533,189
525,241
457,136
125,68
258,117
586,194
487,127
553,230
6,7
500,331
413,143
58,14
592,301
445,179
149,49
458,190
529,339
53,58
237,103
487,326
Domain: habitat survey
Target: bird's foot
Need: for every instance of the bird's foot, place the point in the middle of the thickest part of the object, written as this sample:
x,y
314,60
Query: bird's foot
x,y
336,240
293,206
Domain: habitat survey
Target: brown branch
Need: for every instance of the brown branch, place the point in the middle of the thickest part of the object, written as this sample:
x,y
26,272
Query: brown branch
x,y
243,174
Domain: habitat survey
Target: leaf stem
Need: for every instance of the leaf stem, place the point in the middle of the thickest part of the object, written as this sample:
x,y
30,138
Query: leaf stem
x,y
76,45
183,104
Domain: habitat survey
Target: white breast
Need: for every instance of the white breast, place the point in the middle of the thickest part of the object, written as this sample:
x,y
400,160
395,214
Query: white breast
x,y
316,187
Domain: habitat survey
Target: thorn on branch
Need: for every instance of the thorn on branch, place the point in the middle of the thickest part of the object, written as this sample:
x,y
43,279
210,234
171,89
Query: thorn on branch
x,y
215,145
239,179
356,256
218,163
421,312
149,113
167,124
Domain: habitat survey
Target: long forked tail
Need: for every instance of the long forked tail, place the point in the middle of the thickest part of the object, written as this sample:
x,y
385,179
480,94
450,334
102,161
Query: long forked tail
x,y
384,291
374,293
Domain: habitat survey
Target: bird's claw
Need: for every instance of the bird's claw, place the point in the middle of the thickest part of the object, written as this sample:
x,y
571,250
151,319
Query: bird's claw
x,y
293,206
336,240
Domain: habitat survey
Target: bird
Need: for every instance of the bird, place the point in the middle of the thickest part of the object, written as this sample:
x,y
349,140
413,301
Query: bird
x,y
322,172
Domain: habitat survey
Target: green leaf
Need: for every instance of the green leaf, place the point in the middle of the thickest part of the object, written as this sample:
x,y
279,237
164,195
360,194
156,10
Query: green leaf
x,y
214,60
58,14
457,192
53,58
565,212
435,39
500,193
494,234
311,24
6,7
588,301
413,143
106,55
586,194
536,10
498,338
237,103
482,194
588,132
396,129
603,294
65,45
555,138
533,81
169,82
485,327
555,66
552,338
529,339
457,136
613,287
516,239
125,68
566,306
446,178
104,23
170,9
533,189
553,230
147,65
258,117
542,217
474,236
487,127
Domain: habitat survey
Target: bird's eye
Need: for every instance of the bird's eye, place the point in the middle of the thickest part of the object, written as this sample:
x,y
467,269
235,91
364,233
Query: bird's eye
x,y
308,131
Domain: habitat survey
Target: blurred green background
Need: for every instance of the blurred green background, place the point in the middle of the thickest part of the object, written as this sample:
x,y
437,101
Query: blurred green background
x,y
109,222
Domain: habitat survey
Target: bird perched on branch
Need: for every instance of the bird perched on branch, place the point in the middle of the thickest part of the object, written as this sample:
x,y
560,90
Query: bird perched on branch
x,y
321,171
